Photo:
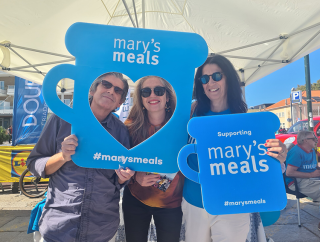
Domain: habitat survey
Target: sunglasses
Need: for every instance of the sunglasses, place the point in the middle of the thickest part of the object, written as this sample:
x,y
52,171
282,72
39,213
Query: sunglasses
x,y
108,85
217,76
314,139
158,91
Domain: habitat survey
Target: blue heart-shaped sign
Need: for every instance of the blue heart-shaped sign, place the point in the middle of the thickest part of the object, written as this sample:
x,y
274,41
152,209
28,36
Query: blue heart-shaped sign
x,y
136,53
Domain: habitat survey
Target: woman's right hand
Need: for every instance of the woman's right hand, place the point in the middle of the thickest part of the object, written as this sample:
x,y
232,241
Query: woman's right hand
x,y
146,180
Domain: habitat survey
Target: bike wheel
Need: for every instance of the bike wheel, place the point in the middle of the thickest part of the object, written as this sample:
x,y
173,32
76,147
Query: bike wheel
x,y
34,187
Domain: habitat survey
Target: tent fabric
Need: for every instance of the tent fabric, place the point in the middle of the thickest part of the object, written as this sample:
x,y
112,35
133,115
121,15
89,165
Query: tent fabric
x,y
279,27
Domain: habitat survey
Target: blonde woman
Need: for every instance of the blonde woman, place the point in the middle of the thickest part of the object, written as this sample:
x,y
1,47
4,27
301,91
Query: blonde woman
x,y
154,104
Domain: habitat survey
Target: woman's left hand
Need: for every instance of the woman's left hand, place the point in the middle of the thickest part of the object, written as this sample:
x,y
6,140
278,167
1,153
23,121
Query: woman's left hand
x,y
124,175
276,146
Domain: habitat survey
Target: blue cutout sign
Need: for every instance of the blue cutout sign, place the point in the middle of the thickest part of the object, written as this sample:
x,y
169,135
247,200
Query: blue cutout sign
x,y
235,173
136,53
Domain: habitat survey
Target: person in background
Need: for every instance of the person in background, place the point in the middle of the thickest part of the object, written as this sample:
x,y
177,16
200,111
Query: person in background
x,y
154,104
302,164
9,131
218,92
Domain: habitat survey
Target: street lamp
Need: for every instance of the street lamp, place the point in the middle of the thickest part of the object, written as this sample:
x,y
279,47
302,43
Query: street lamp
x,y
292,89
300,104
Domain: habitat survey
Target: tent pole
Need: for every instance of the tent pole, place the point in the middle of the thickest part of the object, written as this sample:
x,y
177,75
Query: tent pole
x,y
62,92
305,45
269,40
143,15
247,46
39,72
253,67
271,54
243,84
43,64
308,90
125,5
135,13
25,60
40,51
252,58
305,29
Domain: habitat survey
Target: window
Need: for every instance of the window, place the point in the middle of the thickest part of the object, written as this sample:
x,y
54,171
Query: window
x,y
67,102
282,114
2,85
301,125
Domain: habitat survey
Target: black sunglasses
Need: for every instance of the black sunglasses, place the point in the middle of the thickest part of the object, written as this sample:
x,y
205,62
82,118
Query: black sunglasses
x,y
314,139
108,85
217,76
146,92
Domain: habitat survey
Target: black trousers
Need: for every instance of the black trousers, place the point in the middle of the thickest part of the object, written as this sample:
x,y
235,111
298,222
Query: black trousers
x,y
137,218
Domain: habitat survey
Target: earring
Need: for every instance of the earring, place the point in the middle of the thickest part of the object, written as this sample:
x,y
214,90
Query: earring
x,y
143,108
167,107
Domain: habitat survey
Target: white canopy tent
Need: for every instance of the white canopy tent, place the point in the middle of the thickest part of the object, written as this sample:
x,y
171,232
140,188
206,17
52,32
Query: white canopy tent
x,y
258,36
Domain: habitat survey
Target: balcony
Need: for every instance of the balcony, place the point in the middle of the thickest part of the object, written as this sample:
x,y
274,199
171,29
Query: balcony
x,y
5,108
10,90
3,93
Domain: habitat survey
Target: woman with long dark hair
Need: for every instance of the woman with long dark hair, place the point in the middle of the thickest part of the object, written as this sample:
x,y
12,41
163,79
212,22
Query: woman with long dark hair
x,y
154,104
218,92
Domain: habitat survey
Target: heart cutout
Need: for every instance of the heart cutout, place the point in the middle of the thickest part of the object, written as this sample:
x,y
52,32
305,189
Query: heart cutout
x,y
148,114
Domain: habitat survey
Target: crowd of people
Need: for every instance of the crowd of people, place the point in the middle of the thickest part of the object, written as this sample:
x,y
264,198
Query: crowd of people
x,y
282,131
83,203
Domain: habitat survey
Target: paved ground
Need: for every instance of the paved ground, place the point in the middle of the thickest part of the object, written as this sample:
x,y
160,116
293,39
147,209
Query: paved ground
x,y
15,211
14,216
286,228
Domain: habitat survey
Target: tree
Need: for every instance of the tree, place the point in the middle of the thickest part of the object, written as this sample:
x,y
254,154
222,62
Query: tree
x,y
314,86
3,135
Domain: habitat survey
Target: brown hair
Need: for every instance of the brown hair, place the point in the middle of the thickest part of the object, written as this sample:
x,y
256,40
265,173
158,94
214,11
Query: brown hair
x,y
137,121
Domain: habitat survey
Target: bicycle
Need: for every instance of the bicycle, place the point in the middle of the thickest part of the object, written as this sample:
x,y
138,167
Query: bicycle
x,y
35,187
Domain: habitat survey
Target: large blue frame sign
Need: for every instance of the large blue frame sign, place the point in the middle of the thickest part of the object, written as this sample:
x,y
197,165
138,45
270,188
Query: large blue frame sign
x,y
136,53
235,172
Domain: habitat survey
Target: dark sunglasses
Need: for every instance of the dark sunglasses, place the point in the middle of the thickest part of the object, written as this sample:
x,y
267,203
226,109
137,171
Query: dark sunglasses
x,y
108,85
217,76
146,92
314,139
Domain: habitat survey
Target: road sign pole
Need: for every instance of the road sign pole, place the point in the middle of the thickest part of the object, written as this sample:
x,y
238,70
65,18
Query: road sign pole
x,y
300,111
308,90
291,107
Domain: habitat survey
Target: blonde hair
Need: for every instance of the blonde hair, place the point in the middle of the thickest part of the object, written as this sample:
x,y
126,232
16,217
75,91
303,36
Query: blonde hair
x,y
137,121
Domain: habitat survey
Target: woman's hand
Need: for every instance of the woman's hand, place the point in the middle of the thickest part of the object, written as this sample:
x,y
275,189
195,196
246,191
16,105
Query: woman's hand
x,y
124,175
146,180
276,146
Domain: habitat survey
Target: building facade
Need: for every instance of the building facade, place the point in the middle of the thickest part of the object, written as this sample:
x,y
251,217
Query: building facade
x,y
299,110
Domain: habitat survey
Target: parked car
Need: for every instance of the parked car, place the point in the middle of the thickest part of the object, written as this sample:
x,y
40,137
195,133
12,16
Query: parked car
x,y
291,135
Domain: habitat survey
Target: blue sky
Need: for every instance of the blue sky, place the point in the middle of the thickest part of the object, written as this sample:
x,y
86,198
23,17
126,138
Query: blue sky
x,y
278,84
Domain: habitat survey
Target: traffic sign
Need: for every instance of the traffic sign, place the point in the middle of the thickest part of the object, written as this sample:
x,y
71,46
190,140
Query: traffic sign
x,y
296,97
